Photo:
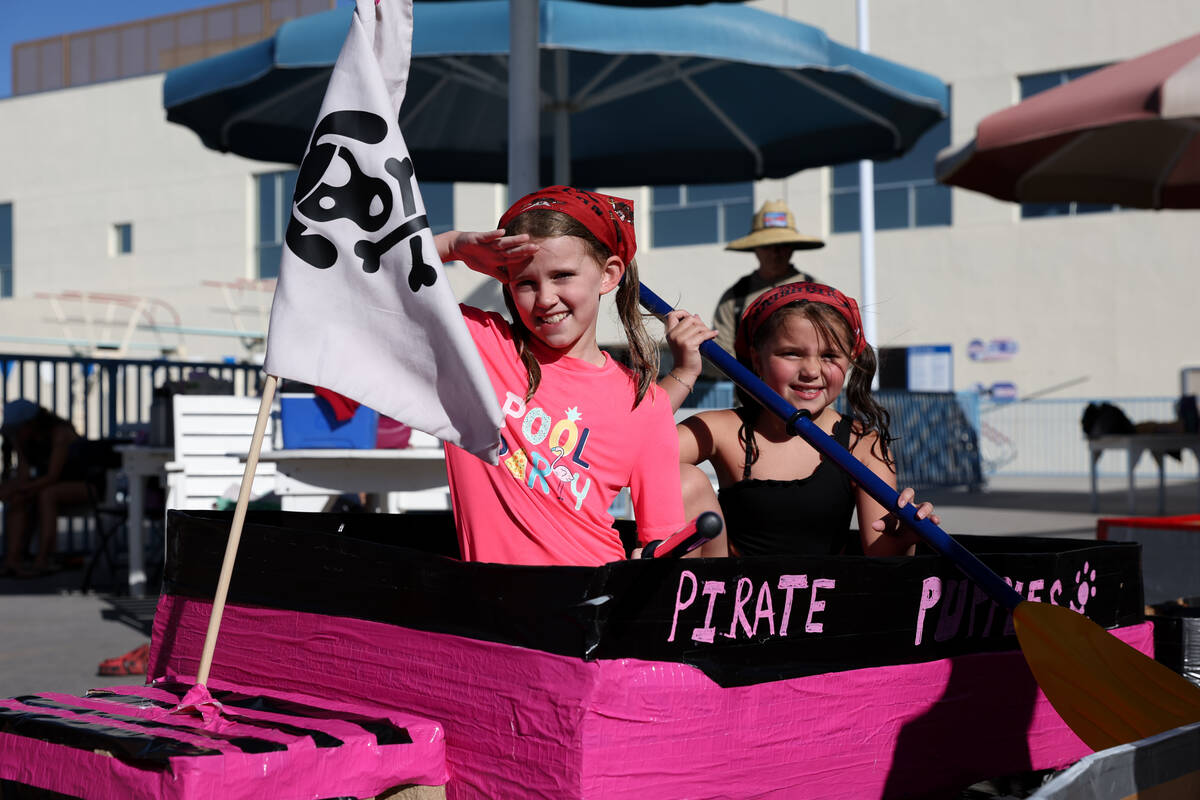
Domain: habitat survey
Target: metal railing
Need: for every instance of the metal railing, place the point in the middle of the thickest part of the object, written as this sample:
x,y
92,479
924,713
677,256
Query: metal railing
x,y
1044,437
1030,438
104,397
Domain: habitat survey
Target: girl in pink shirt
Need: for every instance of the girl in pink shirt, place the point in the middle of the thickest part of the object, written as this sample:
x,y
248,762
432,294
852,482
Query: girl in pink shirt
x,y
578,426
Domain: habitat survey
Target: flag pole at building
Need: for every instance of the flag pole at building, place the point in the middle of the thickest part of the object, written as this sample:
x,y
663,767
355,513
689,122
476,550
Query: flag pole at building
x,y
362,307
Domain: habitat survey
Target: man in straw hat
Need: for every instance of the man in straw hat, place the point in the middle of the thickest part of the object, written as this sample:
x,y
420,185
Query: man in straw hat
x,y
773,237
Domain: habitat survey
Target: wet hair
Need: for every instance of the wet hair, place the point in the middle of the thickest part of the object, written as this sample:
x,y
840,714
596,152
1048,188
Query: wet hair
x,y
862,408
643,355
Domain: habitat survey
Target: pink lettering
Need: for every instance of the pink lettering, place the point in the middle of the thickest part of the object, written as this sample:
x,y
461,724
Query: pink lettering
x,y
739,607
815,605
931,592
1035,589
705,634
789,583
1017,586
764,609
680,603
1055,592
952,609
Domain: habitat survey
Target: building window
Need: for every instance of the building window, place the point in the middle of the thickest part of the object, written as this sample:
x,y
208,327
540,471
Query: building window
x,y
6,250
275,190
122,239
700,214
439,206
906,193
1031,85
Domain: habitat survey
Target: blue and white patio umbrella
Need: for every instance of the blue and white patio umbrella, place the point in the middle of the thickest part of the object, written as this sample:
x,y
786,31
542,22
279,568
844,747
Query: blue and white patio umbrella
x,y
630,96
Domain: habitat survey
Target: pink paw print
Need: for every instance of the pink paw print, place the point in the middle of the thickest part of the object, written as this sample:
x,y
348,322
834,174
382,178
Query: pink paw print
x,y
1085,580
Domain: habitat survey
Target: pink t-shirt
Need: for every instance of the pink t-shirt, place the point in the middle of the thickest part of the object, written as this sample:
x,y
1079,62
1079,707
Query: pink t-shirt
x,y
564,456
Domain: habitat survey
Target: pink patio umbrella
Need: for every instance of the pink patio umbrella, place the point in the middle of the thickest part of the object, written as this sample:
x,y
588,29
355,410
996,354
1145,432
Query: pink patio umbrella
x,y
1125,134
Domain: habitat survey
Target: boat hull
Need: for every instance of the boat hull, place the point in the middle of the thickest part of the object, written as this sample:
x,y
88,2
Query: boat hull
x,y
561,704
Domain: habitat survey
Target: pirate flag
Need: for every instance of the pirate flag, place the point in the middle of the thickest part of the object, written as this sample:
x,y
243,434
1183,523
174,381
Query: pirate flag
x,y
362,306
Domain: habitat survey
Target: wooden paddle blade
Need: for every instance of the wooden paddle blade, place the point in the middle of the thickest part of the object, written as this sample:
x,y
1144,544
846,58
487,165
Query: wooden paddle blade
x,y
1107,692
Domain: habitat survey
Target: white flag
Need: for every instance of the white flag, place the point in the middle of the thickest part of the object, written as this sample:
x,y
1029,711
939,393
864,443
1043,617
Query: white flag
x,y
362,306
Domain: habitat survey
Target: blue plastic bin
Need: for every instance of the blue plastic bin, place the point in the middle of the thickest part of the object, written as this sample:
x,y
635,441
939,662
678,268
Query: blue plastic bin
x,y
308,422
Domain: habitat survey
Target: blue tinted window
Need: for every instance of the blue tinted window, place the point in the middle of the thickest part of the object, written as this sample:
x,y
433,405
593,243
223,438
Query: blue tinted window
x,y
275,190
439,205
6,250
1034,84
717,192
123,238
845,176
891,208
701,214
845,212
267,208
1031,85
680,226
268,260
906,193
932,206
1045,209
736,218
666,195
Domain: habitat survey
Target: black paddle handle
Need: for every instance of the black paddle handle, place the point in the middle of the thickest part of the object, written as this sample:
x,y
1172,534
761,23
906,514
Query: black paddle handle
x,y
799,424
703,528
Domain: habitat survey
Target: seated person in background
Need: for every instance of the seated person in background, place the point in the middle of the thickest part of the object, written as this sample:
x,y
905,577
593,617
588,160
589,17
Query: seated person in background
x,y
50,473
773,238
778,494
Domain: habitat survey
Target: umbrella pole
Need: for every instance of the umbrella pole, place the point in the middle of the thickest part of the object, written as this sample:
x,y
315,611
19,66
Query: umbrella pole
x,y
523,91
235,532
562,120
866,210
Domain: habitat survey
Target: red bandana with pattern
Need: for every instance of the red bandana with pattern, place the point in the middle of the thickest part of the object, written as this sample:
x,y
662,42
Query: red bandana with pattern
x,y
771,301
608,218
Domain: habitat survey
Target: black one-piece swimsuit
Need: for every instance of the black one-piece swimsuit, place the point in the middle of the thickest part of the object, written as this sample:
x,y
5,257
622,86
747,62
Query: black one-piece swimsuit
x,y
809,516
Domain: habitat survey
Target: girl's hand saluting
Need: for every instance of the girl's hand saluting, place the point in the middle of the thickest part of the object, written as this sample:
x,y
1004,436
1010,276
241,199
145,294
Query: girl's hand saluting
x,y
487,252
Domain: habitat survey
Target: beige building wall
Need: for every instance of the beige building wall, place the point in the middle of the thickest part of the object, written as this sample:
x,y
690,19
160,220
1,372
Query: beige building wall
x,y
1103,302
75,163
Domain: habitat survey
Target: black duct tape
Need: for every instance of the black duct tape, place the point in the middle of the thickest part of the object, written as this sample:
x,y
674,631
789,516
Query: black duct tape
x,y
741,621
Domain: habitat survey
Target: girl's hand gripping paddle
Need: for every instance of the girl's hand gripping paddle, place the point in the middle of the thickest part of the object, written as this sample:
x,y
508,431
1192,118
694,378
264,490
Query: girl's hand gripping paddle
x,y
1107,692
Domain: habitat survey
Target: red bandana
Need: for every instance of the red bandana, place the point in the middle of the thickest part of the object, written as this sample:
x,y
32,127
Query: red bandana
x,y
771,301
608,218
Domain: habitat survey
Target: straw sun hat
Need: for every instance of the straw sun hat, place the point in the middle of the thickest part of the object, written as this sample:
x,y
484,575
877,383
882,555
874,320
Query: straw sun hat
x,y
774,224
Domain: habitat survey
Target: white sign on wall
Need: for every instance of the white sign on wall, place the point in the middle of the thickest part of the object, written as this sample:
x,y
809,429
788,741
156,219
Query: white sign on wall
x,y
931,368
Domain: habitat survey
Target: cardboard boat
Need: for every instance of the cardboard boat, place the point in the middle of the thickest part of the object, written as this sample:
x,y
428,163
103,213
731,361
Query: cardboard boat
x,y
788,677
128,743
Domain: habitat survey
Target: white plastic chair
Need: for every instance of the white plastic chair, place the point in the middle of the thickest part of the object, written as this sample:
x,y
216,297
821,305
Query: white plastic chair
x,y
211,431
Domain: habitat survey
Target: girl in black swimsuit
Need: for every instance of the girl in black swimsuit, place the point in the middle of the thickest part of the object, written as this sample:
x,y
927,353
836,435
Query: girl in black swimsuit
x,y
778,495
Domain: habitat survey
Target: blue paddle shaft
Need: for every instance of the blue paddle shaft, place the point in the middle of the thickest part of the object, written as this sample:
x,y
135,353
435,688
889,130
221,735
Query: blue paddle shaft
x,y
799,424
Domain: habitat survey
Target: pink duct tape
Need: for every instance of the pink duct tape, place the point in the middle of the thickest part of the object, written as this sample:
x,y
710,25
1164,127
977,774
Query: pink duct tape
x,y
522,722
125,742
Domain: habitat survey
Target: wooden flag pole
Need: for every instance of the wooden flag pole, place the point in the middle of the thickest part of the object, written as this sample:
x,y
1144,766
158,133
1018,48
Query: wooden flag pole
x,y
235,531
